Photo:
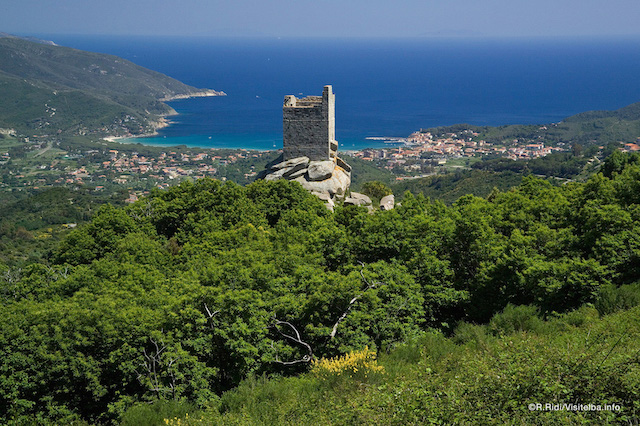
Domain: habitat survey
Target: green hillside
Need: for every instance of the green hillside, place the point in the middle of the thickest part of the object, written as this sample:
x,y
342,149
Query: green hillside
x,y
484,291
49,89
257,305
482,375
449,187
588,128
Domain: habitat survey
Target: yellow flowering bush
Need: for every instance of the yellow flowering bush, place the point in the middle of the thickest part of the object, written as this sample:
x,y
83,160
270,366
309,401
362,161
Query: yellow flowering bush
x,y
359,365
184,421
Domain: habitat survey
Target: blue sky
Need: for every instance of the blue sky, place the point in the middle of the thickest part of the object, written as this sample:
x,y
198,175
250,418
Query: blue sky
x,y
324,18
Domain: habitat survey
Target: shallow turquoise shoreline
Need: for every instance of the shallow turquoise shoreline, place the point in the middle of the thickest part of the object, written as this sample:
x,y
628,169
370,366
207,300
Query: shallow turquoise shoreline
x,y
249,142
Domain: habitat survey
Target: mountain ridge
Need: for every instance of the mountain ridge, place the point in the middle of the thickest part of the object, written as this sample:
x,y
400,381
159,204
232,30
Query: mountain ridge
x,y
116,97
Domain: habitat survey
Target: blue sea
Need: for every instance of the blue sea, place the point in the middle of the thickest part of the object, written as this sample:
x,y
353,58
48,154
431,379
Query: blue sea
x,y
384,88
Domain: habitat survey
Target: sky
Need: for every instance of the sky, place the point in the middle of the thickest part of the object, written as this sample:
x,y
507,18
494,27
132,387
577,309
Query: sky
x,y
323,18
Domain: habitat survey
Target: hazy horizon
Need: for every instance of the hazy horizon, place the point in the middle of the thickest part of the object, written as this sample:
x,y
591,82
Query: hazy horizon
x,y
326,18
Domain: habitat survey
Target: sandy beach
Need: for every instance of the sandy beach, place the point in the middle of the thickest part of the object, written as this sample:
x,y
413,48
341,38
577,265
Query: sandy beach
x,y
163,121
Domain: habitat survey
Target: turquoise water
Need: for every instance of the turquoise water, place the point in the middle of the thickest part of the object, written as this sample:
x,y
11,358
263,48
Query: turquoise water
x,y
383,87
260,141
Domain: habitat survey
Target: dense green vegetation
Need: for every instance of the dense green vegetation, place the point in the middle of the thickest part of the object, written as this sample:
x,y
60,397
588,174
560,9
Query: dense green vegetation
x,y
561,165
481,375
485,176
33,222
208,295
451,186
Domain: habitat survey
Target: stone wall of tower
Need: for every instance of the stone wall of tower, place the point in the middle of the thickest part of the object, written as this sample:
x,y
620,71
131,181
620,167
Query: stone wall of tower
x,y
308,126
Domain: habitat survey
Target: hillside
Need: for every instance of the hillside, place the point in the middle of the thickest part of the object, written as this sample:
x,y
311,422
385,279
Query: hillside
x,y
205,295
482,375
587,128
213,303
49,89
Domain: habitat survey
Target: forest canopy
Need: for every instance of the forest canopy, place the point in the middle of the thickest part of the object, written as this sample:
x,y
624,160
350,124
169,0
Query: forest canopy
x,y
187,293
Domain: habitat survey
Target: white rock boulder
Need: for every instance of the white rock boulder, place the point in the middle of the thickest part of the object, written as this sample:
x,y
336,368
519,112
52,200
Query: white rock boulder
x,y
357,199
387,202
321,170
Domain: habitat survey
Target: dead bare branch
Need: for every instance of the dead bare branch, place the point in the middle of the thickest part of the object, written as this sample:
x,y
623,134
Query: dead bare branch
x,y
370,285
153,367
9,283
210,314
308,357
12,276
334,330
143,210
55,273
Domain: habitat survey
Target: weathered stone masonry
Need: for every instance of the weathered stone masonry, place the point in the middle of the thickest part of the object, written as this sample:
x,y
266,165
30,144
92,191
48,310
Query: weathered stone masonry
x,y
308,126
310,149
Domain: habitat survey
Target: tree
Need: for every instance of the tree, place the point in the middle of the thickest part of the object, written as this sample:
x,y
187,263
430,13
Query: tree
x,y
376,189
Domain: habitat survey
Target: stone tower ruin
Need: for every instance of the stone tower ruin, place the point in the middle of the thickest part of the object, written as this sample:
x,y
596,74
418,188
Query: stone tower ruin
x,y
310,150
309,126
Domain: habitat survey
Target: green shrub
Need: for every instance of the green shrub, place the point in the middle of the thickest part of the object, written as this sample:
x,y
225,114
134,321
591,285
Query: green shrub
x,y
515,318
611,299
154,414
470,333
581,317
269,401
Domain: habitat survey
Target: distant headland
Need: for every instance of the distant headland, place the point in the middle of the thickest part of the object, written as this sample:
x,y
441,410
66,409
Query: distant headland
x,y
46,89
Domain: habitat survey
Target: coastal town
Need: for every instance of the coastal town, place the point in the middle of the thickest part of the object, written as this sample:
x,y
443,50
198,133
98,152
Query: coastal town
x,y
43,162
426,152
36,164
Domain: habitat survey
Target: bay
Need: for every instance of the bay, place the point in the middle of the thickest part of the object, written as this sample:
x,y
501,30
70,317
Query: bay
x,y
384,88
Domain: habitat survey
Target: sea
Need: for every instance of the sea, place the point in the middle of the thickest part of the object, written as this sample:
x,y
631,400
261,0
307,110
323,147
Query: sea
x,y
385,88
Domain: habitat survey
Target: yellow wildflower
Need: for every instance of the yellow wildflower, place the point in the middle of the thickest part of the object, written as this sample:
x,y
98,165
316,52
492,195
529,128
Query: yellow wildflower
x,y
349,364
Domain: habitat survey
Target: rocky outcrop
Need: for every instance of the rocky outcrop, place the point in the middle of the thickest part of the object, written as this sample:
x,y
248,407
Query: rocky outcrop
x,y
387,202
357,199
320,170
324,196
327,179
287,168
